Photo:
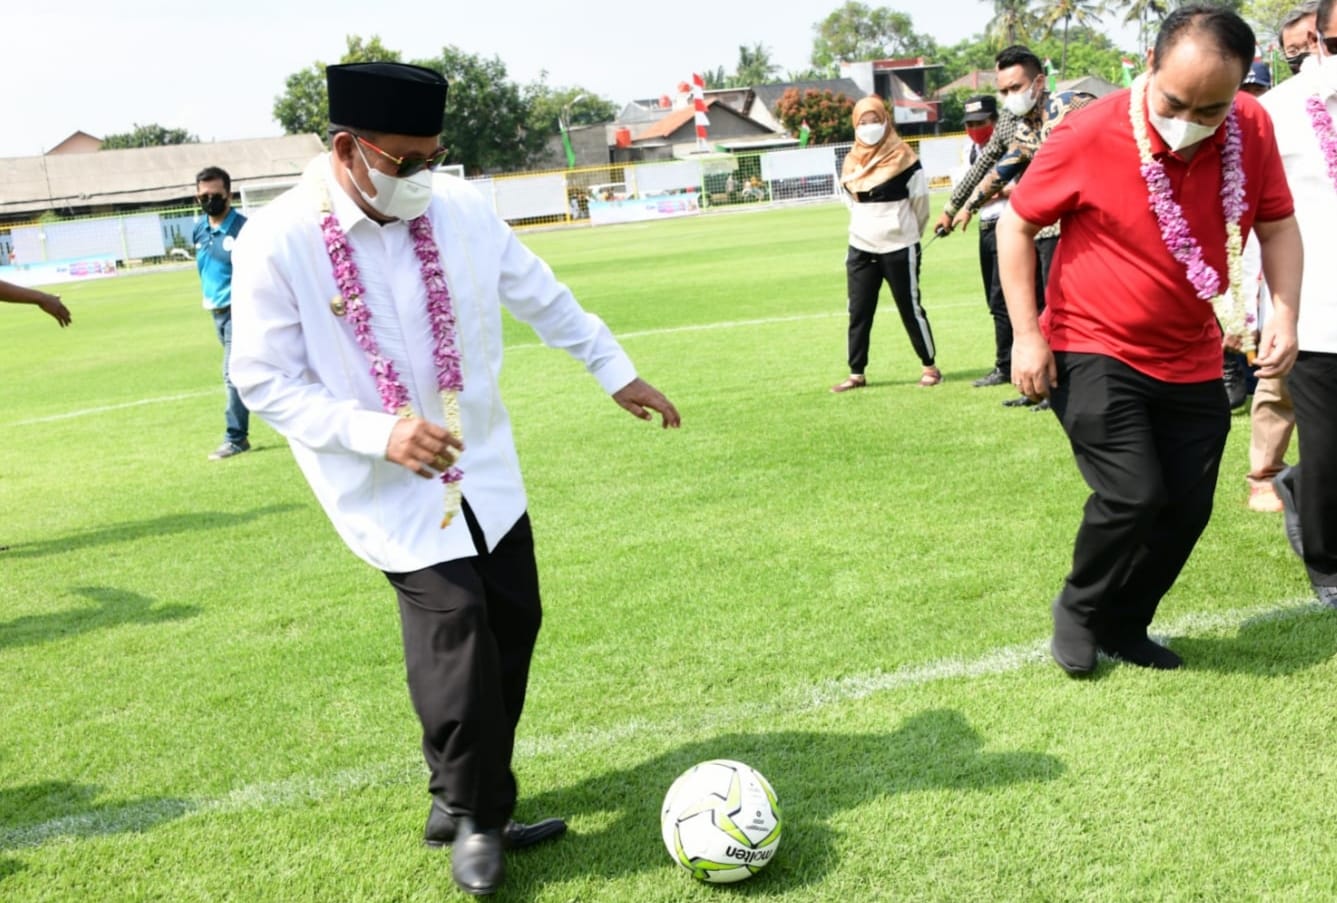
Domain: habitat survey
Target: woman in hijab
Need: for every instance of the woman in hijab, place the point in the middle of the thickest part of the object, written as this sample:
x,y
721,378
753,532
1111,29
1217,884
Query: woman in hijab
x,y
887,193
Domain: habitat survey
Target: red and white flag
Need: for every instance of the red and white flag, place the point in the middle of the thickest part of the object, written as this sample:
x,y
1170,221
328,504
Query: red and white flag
x,y
699,104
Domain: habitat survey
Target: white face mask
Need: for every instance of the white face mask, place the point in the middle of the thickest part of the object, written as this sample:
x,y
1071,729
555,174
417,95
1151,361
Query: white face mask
x,y
1327,74
1180,133
406,198
871,133
1019,103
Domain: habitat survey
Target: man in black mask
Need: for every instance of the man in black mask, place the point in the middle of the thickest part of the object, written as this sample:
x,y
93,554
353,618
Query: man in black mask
x,y
1298,35
215,233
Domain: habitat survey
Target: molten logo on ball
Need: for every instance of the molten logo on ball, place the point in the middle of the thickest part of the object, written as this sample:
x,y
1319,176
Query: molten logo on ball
x,y
721,821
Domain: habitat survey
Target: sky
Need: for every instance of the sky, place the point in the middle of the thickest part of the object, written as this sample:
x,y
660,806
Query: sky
x,y
215,68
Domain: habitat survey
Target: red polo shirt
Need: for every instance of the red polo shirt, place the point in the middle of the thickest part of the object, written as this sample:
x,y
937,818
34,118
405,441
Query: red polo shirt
x,y
1114,288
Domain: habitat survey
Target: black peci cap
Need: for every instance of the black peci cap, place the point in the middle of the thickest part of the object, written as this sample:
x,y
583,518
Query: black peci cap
x,y
980,107
391,98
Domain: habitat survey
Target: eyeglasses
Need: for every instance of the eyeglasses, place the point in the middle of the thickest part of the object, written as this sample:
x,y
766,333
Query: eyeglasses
x,y
407,166
1329,44
209,197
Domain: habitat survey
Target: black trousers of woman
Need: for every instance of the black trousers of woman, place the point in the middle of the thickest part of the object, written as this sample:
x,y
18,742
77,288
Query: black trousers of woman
x,y
864,274
469,628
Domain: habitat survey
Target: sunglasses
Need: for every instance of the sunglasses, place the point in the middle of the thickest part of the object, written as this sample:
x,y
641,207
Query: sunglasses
x,y
1330,44
407,166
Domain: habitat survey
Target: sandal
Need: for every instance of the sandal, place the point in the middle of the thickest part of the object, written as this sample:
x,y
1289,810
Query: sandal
x,y
932,376
850,382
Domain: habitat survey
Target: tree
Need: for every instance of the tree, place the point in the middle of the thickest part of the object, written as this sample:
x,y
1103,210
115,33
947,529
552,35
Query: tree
x,y
1012,23
755,66
1086,12
1146,13
1266,17
857,32
486,127
829,115
715,78
303,107
151,135
578,106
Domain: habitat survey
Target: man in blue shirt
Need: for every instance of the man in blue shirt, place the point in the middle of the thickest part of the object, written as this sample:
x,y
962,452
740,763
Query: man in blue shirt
x,y
215,233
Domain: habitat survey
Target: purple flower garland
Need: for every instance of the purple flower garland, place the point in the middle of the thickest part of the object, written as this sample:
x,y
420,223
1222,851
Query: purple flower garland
x,y
1321,120
441,314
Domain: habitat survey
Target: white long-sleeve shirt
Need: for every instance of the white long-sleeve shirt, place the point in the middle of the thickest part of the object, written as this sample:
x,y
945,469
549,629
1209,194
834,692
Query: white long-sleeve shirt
x,y
1315,205
298,367
884,226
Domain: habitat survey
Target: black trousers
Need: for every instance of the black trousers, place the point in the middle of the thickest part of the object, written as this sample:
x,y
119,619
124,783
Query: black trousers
x,y
993,289
1313,385
1150,452
864,274
469,628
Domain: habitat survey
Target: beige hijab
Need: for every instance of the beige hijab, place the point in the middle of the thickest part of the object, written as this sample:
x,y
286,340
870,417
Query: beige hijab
x,y
869,165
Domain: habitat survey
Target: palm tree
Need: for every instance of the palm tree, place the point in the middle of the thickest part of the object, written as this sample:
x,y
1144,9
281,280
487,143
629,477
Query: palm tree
x,y
1086,12
1142,12
755,66
1012,22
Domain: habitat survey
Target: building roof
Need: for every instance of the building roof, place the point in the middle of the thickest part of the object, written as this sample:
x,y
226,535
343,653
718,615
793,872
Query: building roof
x,y
981,81
79,142
145,175
671,122
769,95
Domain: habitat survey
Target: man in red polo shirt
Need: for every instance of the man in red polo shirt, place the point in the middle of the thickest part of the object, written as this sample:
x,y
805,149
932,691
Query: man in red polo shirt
x,y
1157,187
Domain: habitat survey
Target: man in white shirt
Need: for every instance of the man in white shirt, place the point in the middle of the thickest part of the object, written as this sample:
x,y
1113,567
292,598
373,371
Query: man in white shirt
x,y
367,330
1302,109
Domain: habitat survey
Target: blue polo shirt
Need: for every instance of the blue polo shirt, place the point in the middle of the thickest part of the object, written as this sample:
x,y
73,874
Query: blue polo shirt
x,y
213,258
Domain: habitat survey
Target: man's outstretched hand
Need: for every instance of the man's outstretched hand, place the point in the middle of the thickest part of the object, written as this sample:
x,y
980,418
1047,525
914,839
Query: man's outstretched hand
x,y
640,398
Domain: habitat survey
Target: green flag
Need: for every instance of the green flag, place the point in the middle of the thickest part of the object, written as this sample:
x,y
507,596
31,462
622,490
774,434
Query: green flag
x,y
1127,71
1051,80
804,133
566,145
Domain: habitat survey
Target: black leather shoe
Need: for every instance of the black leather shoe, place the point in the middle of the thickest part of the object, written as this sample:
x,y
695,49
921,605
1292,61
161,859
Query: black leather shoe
x,y
1284,484
441,829
1144,653
1021,401
1041,405
1074,645
476,864
994,377
1236,380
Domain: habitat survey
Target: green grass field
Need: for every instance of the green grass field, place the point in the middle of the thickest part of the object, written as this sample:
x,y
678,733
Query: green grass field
x,y
203,691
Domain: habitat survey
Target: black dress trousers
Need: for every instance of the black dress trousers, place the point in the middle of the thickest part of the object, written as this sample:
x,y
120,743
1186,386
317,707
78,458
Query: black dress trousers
x,y
1150,452
469,628
1313,385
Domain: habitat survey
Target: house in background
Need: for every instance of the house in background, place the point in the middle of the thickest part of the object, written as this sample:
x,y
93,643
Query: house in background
x,y
78,143
769,95
903,83
114,181
673,136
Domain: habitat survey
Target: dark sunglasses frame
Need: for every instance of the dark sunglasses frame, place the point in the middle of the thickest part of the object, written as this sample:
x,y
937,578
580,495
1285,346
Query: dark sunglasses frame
x,y
407,166
1330,44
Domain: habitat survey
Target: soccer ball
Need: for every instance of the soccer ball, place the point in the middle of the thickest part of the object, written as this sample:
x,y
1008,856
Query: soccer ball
x,y
721,821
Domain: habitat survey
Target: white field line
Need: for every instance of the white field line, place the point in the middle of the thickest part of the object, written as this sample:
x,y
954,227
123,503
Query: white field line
x,y
103,409
134,816
520,346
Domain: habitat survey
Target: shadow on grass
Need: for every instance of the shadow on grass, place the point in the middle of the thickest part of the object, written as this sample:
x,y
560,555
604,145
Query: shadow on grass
x,y
1279,643
189,522
115,607
817,776
36,813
